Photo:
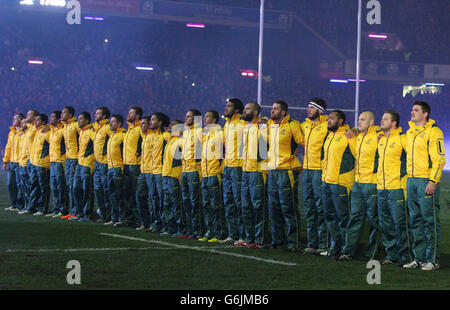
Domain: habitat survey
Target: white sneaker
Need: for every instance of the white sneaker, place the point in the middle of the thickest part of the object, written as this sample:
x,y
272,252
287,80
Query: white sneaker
x,y
37,213
108,223
227,240
50,214
324,253
309,251
412,265
239,241
24,212
430,266
140,227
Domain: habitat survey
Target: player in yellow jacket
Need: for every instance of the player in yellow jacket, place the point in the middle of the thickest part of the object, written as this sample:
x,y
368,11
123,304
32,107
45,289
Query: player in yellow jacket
x,y
315,130
40,163
212,155
425,162
232,171
338,175
82,183
57,159
254,179
115,167
24,179
364,191
71,134
190,178
284,134
131,158
100,181
171,173
391,185
11,163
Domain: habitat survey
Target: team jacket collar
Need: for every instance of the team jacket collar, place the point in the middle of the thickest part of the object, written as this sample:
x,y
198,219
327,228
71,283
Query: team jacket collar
x,y
133,125
71,120
427,125
322,119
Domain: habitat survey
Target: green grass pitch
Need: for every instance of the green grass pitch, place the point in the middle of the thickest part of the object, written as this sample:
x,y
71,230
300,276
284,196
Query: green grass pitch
x,y
35,250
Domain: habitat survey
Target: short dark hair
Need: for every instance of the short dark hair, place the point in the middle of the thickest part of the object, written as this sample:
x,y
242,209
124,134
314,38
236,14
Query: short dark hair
x,y
147,118
86,115
215,115
118,117
35,112
70,109
237,104
283,104
163,118
394,116
425,107
57,113
340,115
195,112
177,121
105,111
138,111
43,117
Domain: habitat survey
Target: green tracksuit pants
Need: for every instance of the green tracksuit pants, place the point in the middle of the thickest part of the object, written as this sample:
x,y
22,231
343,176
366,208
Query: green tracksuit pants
x,y
363,202
393,217
424,219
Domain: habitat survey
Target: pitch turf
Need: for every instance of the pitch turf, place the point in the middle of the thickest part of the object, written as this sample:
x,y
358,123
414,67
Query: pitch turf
x,y
34,252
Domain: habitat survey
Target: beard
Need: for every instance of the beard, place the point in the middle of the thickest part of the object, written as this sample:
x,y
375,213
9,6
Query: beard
x,y
314,116
333,128
247,117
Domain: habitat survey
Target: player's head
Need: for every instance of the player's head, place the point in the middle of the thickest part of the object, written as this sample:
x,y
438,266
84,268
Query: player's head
x,y
365,120
336,119
251,111
159,120
84,119
31,116
101,113
55,117
134,114
389,121
279,110
420,112
233,106
115,122
145,123
17,120
316,107
176,128
67,113
211,117
191,116
41,119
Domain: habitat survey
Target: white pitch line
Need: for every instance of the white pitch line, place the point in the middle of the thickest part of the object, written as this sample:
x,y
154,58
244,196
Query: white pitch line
x,y
202,249
80,250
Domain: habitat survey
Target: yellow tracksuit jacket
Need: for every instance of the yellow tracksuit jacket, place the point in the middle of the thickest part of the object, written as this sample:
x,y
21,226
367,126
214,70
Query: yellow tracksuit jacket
x,y
146,161
101,135
40,150
30,132
23,153
339,158
283,140
57,144
212,151
232,139
86,147
115,148
392,161
158,142
315,134
366,164
132,144
425,152
71,134
192,148
255,147
171,166
12,146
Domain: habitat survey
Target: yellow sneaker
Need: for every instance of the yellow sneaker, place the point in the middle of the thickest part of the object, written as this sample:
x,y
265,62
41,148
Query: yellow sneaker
x,y
213,240
203,239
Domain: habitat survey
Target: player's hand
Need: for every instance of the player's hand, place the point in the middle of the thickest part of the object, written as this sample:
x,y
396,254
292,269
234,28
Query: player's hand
x,y
351,133
379,137
429,190
5,166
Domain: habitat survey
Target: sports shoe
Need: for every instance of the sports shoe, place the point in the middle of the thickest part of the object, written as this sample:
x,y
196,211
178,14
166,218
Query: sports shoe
x,y
412,265
191,238
164,234
213,240
83,219
50,214
344,258
142,227
74,218
182,236
59,214
37,213
203,239
324,253
241,244
227,240
24,212
429,266
8,208
66,216
238,241
387,262
118,224
109,223
309,251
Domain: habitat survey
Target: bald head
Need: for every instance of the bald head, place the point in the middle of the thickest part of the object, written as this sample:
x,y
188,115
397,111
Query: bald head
x,y
251,111
365,120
